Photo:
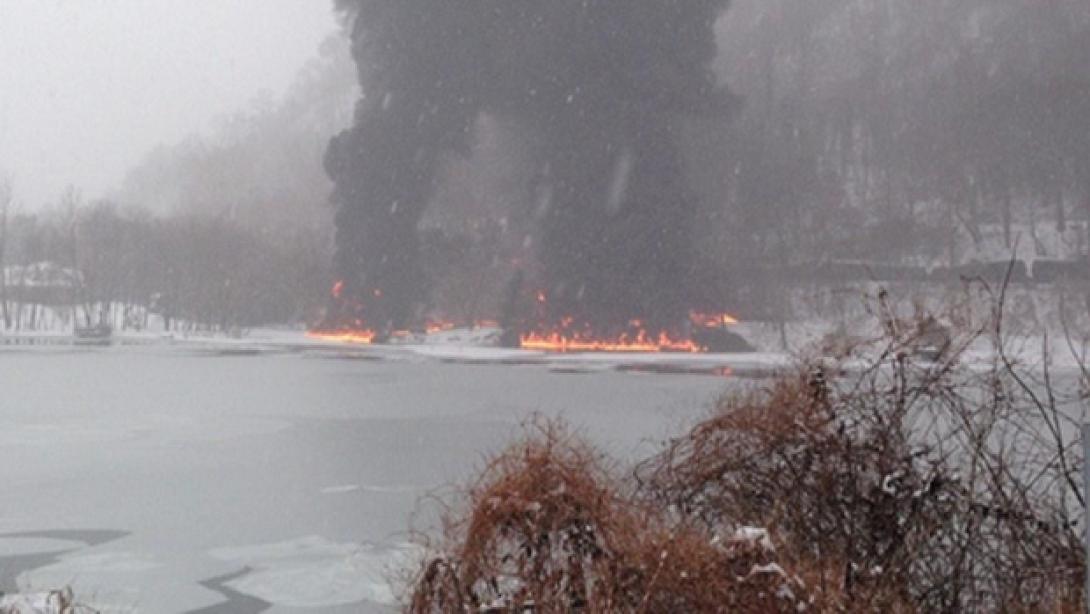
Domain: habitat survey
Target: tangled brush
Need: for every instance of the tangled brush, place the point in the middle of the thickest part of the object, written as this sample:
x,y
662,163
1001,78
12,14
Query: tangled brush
x,y
549,528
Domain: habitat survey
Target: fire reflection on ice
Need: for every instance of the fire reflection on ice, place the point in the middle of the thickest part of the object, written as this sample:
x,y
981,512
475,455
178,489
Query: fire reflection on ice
x,y
640,341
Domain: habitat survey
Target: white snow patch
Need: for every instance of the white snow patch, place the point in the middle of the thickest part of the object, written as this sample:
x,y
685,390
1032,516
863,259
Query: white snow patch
x,y
770,568
340,490
755,536
392,489
313,572
470,352
105,581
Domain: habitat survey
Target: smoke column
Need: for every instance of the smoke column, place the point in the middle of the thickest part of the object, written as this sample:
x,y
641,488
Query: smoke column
x,y
603,86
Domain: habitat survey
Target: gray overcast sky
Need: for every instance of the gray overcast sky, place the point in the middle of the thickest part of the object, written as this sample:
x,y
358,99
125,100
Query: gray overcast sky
x,y
88,86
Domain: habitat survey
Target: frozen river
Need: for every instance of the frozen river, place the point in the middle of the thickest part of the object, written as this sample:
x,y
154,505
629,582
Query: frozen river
x,y
165,478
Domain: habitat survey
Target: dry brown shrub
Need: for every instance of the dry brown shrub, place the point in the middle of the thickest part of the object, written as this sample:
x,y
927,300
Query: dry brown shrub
x,y
787,459
548,528
906,482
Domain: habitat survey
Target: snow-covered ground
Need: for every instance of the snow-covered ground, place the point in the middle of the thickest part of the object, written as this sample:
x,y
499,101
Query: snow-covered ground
x,y
279,473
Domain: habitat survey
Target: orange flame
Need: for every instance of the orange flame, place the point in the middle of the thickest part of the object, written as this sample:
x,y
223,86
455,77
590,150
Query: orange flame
x,y
712,320
438,326
563,337
355,337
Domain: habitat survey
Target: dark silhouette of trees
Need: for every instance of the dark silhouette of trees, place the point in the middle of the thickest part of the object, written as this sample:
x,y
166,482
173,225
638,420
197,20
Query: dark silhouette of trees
x,y
200,273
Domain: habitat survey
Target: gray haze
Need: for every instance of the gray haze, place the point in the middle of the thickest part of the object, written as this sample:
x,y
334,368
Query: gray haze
x,y
192,411
872,140
86,88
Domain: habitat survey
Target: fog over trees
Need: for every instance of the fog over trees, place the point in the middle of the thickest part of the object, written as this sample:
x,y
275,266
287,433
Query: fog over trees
x,y
263,165
902,131
222,231
931,134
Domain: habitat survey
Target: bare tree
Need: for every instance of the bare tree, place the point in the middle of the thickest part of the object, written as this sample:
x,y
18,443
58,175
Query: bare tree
x,y
5,203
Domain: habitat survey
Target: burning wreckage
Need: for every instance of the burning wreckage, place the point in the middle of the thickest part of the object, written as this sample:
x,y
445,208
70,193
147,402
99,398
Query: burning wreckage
x,y
600,88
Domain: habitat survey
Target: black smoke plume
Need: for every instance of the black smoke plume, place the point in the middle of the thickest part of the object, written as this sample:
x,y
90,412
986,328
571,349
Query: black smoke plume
x,y
604,85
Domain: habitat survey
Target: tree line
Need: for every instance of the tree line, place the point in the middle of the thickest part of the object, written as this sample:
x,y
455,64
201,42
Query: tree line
x,y
899,131
122,265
